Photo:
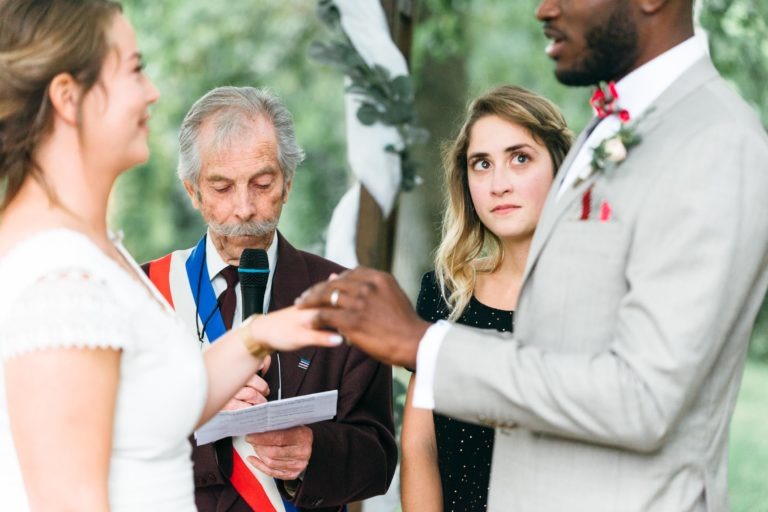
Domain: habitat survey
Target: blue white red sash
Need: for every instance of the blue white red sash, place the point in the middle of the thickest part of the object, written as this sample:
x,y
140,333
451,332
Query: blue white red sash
x,y
182,278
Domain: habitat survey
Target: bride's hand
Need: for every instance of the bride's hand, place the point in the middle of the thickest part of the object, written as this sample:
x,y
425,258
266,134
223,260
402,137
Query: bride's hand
x,y
290,329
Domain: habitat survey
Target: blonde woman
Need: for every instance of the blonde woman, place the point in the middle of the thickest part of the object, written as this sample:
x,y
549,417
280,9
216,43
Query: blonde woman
x,y
100,383
499,170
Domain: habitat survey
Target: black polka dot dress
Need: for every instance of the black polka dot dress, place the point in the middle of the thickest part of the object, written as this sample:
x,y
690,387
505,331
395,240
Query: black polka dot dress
x,y
464,450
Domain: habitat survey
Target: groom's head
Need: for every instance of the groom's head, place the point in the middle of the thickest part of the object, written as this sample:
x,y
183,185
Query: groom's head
x,y
594,40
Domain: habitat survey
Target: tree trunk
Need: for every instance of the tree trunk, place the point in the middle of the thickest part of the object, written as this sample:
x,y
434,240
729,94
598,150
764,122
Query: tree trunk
x,y
441,94
375,240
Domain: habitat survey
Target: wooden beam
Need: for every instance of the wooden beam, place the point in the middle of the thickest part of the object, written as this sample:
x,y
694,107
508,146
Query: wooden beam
x,y
375,241
400,14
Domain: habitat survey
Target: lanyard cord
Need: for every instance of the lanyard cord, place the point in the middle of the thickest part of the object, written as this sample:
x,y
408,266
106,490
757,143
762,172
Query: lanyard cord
x,y
201,334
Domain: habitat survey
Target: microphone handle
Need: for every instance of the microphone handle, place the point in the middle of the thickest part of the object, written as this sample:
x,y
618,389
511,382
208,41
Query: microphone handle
x,y
253,299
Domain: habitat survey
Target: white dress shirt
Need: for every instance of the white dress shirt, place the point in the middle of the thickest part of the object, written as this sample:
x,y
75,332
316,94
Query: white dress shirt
x,y
636,92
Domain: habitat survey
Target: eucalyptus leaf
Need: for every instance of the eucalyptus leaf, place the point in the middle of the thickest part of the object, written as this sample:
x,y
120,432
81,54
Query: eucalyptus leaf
x,y
352,59
356,75
382,72
367,114
328,13
403,88
387,100
398,113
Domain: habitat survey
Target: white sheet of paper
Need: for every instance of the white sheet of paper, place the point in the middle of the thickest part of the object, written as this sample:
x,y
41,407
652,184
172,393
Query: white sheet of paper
x,y
276,415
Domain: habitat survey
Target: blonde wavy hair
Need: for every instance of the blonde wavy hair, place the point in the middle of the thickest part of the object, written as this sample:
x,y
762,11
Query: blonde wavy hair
x,y
467,246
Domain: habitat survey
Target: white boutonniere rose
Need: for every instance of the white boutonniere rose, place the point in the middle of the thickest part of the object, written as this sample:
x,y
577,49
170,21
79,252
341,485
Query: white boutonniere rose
x,y
611,152
615,151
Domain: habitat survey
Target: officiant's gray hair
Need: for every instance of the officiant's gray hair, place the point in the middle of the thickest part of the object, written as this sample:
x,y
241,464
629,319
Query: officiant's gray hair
x,y
233,110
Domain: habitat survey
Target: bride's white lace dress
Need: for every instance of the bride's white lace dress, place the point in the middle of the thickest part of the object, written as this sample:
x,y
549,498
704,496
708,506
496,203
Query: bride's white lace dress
x,y
57,289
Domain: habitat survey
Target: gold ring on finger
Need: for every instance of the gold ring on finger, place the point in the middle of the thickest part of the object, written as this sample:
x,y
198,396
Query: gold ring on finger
x,y
335,298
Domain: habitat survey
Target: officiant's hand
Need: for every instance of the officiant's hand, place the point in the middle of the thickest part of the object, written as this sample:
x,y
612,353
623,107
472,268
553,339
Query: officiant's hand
x,y
254,392
282,454
371,311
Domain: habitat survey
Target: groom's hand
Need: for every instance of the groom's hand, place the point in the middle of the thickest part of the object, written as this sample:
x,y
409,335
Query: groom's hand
x,y
371,311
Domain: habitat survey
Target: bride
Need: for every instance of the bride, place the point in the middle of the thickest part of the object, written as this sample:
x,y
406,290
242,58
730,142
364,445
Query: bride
x,y
99,383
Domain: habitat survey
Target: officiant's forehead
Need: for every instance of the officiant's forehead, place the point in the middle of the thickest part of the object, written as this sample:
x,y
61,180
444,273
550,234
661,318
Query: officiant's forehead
x,y
220,135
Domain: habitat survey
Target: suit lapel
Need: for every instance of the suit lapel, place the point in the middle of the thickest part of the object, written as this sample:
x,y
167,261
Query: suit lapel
x,y
699,73
554,208
291,279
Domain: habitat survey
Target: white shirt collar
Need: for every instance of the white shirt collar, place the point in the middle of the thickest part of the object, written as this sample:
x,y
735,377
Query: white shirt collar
x,y
637,91
216,264
640,88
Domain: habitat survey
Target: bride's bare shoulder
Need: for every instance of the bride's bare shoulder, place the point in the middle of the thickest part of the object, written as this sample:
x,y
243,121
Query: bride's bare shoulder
x,y
17,226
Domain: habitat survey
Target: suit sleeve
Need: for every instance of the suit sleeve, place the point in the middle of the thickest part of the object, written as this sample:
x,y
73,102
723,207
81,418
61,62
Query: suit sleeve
x,y
353,456
695,274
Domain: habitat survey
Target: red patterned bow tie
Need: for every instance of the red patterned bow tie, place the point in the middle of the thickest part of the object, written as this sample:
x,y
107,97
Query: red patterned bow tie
x,y
605,102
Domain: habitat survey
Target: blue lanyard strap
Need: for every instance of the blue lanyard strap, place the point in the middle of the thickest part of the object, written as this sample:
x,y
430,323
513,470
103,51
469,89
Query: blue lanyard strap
x,y
202,291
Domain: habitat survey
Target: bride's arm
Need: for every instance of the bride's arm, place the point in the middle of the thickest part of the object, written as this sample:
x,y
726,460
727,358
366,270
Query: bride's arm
x,y
237,355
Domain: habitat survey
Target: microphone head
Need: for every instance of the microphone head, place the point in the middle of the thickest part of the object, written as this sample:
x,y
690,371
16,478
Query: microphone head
x,y
254,268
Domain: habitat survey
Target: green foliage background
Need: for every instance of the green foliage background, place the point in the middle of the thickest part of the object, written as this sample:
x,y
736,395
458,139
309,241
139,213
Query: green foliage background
x,y
738,35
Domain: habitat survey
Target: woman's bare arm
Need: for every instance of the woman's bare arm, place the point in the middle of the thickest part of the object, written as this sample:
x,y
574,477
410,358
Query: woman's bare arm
x,y
419,477
61,403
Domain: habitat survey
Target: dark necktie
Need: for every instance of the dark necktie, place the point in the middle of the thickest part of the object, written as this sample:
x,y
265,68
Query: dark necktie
x,y
228,298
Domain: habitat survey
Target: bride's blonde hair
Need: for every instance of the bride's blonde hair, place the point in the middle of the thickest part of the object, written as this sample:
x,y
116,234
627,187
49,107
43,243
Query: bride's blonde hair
x,y
467,246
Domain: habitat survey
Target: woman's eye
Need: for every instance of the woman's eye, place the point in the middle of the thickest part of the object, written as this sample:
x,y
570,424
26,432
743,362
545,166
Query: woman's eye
x,y
481,165
521,158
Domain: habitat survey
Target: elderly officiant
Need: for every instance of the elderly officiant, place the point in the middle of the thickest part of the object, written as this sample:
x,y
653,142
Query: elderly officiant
x,y
238,155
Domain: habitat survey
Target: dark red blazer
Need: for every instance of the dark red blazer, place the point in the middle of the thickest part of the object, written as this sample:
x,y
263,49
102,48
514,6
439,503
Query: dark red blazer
x,y
354,455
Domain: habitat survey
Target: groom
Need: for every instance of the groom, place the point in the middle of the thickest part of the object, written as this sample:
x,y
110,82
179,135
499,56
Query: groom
x,y
643,281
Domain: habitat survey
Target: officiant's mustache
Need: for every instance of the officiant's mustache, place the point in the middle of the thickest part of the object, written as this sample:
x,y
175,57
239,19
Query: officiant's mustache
x,y
247,228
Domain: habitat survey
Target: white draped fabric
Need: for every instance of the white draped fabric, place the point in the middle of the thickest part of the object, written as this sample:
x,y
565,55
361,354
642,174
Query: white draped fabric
x,y
378,170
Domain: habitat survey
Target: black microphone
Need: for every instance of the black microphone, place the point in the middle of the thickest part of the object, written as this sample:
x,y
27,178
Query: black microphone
x,y
254,273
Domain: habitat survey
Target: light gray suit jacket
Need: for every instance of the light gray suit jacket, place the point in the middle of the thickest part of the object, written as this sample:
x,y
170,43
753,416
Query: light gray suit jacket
x,y
617,389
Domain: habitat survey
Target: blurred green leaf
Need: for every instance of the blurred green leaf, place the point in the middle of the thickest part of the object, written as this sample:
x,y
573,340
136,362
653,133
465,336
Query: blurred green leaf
x,y
403,88
367,114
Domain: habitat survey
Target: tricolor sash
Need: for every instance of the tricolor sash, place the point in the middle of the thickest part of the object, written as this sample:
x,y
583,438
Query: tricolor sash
x,y
182,278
